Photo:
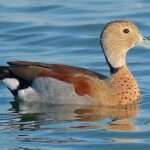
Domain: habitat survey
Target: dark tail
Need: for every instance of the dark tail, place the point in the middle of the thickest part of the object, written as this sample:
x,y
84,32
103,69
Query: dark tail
x,y
4,72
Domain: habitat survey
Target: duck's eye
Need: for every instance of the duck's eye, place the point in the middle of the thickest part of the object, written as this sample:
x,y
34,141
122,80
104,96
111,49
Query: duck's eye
x,y
126,30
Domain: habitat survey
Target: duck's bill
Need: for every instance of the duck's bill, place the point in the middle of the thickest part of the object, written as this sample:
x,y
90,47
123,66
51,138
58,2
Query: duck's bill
x,y
145,42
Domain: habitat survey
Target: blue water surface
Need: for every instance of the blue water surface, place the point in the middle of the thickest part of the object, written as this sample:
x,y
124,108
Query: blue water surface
x,y
67,31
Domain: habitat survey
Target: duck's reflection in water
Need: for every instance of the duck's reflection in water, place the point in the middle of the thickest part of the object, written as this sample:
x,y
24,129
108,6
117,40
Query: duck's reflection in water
x,y
104,118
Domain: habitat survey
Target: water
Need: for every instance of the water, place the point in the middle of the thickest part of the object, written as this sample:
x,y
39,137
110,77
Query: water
x,y
67,31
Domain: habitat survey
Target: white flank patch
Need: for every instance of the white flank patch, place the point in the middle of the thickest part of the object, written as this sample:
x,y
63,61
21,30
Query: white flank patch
x,y
29,95
11,83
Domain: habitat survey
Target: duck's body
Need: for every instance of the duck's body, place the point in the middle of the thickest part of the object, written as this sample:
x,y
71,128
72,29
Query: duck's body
x,y
62,84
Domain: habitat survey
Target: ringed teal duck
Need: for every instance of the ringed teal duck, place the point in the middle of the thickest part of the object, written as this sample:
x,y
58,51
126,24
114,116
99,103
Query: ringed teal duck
x,y
62,84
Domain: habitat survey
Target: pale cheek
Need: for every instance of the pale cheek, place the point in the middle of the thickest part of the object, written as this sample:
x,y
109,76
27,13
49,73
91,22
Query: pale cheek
x,y
131,42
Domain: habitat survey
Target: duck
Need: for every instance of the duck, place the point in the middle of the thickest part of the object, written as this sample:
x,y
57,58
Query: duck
x,y
45,83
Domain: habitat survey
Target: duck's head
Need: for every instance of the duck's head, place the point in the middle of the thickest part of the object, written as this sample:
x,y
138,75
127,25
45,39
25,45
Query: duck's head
x,y
116,39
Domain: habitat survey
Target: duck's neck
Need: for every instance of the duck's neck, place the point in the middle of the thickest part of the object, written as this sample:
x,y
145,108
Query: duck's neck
x,y
125,85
